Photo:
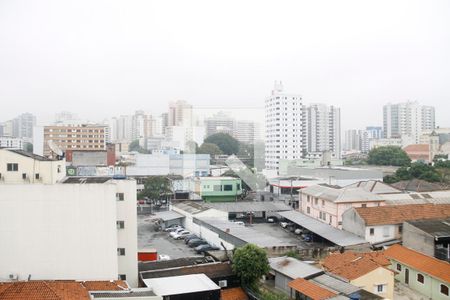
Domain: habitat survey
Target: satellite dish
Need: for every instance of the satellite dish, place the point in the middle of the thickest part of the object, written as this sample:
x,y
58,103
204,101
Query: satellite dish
x,y
55,149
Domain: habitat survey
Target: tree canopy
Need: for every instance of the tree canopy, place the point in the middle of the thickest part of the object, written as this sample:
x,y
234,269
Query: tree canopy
x,y
135,146
227,144
388,156
417,170
155,187
250,263
209,148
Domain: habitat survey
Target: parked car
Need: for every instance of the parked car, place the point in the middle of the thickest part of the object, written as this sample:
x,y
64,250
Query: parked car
x,y
206,247
171,227
190,237
141,202
163,257
238,222
284,224
272,219
181,235
196,242
298,231
307,237
176,231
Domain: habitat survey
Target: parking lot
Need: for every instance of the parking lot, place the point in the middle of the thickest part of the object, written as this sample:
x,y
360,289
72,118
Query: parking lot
x,y
160,240
276,230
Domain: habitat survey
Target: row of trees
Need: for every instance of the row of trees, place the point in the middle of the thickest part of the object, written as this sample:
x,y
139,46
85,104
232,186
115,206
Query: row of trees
x,y
395,156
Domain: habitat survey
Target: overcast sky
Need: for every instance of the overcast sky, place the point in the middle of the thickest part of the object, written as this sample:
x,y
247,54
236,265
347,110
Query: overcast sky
x,y
106,58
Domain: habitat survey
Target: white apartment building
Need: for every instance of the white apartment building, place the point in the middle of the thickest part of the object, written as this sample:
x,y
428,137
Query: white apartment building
x,y
323,125
285,132
11,142
407,119
22,126
74,228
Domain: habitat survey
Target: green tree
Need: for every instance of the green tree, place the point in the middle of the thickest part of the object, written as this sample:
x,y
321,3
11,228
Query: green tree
x,y
228,144
388,156
209,148
28,147
270,295
250,263
135,146
155,187
390,179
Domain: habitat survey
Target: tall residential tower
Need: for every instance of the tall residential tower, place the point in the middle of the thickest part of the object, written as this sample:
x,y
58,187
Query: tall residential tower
x,y
285,133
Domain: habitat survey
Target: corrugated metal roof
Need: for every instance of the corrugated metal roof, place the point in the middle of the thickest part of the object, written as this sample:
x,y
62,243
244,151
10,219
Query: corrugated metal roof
x,y
255,206
247,234
436,228
178,285
335,284
167,215
336,236
351,194
293,268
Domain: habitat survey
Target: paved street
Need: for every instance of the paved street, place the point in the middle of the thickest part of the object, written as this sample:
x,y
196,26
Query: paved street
x,y
148,238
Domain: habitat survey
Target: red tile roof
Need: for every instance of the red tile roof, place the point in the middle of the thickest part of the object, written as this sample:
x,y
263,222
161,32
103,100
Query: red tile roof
x,y
233,294
418,151
423,263
310,289
352,265
55,290
396,214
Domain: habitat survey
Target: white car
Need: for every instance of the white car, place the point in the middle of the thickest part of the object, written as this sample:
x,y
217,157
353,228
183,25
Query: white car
x,y
176,231
181,235
283,224
239,223
163,257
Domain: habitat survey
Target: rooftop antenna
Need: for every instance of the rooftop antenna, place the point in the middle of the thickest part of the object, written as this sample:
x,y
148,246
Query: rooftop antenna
x,y
55,149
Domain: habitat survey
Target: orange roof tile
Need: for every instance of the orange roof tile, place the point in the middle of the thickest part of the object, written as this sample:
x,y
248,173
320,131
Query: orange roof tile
x,y
396,214
56,289
233,294
432,266
352,265
310,289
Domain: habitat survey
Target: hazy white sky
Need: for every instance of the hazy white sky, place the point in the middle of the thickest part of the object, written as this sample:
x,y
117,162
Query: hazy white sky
x,y
105,58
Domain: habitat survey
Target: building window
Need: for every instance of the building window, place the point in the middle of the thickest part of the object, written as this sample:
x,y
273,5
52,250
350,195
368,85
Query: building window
x,y
380,288
400,228
323,202
385,231
36,176
399,267
372,231
364,205
217,188
308,210
420,278
120,224
227,187
120,197
122,277
238,186
121,251
12,167
444,289
316,201
59,169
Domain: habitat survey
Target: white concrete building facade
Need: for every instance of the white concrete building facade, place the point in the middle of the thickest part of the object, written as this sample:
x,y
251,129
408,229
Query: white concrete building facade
x,y
285,134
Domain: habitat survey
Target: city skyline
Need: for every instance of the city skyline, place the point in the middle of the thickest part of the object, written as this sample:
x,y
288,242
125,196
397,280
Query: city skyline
x,y
161,59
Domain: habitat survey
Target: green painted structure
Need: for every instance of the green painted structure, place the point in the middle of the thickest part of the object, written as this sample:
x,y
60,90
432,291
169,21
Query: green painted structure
x,y
218,189
431,286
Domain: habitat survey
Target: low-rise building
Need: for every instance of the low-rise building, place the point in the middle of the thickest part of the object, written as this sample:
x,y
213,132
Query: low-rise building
x,y
366,270
430,237
20,167
285,269
424,274
193,286
328,203
385,223
217,189
419,153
